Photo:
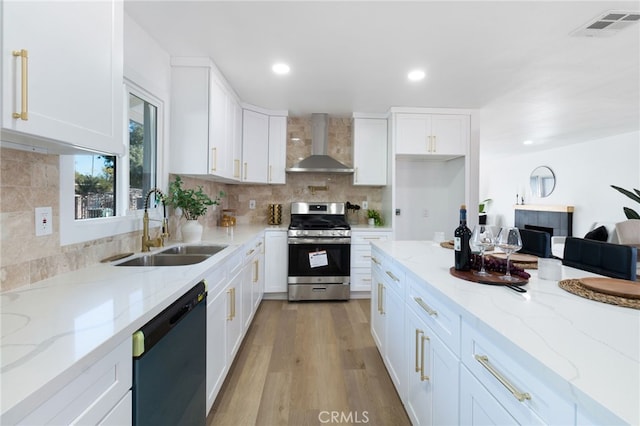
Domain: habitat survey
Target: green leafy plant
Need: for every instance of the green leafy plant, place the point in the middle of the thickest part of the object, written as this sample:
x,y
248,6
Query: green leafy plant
x,y
629,212
376,216
483,205
193,202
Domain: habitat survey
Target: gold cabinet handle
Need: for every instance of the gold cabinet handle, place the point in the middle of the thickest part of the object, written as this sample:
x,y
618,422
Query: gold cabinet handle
x,y
426,307
418,333
382,299
484,360
214,159
393,277
230,297
434,148
236,168
233,293
250,252
355,175
255,271
24,85
423,377
376,261
245,171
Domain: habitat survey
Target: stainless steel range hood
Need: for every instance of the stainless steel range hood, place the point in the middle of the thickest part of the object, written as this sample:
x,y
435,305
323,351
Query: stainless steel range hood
x,y
319,161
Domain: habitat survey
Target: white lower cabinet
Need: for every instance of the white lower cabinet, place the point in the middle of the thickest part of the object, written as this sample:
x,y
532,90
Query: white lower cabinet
x,y
361,240
478,406
378,323
433,371
98,394
252,279
275,261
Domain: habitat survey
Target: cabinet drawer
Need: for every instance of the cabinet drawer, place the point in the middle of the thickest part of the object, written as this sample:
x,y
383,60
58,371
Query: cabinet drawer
x,y
360,279
88,398
504,372
436,314
367,237
234,264
392,274
360,256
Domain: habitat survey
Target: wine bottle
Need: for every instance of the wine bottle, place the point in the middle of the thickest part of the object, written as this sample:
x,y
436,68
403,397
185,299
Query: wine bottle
x,y
461,247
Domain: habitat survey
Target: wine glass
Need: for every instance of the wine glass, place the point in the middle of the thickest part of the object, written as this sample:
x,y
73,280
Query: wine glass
x,y
509,241
482,238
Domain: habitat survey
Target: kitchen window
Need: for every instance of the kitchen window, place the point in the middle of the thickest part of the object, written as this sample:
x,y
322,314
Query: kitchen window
x,y
103,195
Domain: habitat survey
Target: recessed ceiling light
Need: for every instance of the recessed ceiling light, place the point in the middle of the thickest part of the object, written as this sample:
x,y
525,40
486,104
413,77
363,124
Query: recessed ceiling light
x,y
416,75
527,143
281,68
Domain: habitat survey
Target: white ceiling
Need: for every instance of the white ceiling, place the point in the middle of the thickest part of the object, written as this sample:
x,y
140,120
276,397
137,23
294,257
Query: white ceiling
x,y
513,60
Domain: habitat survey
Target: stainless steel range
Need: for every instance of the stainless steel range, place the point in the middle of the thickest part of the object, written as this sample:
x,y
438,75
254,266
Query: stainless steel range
x,y
319,239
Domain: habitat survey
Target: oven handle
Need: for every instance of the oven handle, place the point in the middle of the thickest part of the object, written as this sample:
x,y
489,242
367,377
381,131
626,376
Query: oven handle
x,y
315,240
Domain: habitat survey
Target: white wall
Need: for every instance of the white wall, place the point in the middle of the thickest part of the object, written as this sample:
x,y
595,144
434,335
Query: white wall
x,y
436,188
584,173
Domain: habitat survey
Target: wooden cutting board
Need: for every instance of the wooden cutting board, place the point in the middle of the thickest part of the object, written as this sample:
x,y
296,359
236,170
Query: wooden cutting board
x,y
493,278
612,286
517,257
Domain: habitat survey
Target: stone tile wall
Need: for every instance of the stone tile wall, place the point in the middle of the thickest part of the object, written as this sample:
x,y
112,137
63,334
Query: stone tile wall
x,y
30,180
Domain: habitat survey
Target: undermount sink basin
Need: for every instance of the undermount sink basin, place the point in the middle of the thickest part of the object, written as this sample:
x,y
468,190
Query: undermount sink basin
x,y
194,249
165,260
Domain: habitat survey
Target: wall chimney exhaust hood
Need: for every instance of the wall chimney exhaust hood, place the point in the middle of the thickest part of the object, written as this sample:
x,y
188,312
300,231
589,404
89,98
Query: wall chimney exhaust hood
x,y
319,161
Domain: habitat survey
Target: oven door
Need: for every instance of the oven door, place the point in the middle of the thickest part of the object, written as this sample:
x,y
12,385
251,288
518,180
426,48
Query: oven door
x,y
316,260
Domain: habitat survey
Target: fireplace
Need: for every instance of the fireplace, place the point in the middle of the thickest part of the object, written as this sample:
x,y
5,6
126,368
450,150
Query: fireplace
x,y
556,220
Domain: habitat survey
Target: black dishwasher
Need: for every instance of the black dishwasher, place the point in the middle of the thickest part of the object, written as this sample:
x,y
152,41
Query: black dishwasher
x,y
169,364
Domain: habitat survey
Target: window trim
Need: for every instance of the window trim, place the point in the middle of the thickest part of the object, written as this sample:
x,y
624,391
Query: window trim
x,y
124,220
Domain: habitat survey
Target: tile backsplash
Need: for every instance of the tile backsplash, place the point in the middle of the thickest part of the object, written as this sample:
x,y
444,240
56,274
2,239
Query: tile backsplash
x,y
30,180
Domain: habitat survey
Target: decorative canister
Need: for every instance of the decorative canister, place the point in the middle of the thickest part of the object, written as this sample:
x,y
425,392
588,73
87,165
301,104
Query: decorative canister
x,y
228,217
275,214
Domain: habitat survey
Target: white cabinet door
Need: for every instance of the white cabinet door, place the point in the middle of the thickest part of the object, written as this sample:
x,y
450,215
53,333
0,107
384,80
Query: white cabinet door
x,y
370,151
276,261
71,75
257,280
218,310
413,133
361,257
450,134
478,406
277,149
433,372
394,354
234,329
220,130
255,146
236,143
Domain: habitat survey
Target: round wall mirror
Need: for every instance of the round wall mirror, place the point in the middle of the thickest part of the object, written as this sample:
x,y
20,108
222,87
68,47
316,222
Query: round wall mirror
x,y
542,181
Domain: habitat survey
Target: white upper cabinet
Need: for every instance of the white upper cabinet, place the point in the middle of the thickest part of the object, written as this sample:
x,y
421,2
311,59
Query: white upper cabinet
x,y
370,151
255,146
62,70
432,134
277,149
205,121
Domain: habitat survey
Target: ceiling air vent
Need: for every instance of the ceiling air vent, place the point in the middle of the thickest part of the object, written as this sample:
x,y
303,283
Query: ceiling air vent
x,y
608,24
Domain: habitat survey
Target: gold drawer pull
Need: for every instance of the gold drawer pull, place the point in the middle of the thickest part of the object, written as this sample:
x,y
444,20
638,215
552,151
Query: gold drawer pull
x,y
418,333
376,261
24,85
520,396
393,277
423,377
214,159
426,307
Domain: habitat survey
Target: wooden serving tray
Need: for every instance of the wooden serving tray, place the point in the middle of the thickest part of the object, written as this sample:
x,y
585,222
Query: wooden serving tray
x,y
612,286
493,279
516,257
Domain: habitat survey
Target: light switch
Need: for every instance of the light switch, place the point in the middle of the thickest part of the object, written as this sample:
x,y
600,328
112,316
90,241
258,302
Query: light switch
x,y
365,204
44,221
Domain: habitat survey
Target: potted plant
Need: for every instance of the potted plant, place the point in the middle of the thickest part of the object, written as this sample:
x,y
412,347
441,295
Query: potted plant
x,y
482,210
375,218
193,203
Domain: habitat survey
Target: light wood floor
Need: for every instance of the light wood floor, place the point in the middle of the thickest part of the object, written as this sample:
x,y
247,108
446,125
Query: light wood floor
x,y
302,363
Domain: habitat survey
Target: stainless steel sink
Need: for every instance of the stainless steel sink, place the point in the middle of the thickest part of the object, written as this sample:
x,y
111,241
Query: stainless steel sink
x,y
165,260
194,249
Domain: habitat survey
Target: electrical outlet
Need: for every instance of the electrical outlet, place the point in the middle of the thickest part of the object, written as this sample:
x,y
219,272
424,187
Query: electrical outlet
x,y
252,204
365,204
44,221
425,213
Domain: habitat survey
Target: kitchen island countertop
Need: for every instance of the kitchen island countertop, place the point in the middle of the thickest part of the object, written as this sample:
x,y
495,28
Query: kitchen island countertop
x,y
588,351
53,329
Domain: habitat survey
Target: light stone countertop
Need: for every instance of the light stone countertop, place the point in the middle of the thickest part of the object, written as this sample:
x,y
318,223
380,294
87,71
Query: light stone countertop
x,y
52,330
586,350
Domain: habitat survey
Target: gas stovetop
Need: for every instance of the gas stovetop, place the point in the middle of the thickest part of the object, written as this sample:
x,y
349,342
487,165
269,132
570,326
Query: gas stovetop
x,y
318,219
